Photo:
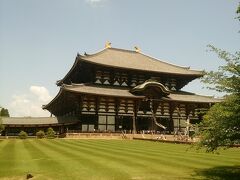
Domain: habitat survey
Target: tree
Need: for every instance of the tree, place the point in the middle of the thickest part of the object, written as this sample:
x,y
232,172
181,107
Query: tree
x,y
4,112
226,79
40,134
238,12
50,133
23,135
221,124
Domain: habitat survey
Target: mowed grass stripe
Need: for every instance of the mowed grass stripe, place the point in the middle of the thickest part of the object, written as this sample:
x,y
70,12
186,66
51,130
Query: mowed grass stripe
x,y
94,165
179,150
147,163
109,159
174,164
179,153
149,167
171,149
23,159
44,160
113,159
68,167
8,158
145,167
183,160
119,156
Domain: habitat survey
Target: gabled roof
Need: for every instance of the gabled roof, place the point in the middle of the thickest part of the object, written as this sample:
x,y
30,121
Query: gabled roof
x,y
125,93
128,59
93,90
100,90
191,97
36,121
132,60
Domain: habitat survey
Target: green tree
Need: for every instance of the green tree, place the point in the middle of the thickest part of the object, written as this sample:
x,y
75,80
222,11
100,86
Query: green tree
x,y
40,134
221,124
23,135
4,112
238,12
50,133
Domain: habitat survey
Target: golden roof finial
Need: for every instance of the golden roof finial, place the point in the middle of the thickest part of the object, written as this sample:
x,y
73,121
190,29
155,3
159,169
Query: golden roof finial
x,y
107,44
137,49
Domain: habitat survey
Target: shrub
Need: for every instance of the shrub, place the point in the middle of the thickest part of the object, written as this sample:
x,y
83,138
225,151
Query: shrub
x,y
23,135
40,134
50,133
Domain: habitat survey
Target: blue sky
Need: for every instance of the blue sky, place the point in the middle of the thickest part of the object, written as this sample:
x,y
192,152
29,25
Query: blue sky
x,y
39,40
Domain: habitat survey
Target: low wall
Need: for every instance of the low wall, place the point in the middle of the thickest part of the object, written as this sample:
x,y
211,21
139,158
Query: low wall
x,y
96,136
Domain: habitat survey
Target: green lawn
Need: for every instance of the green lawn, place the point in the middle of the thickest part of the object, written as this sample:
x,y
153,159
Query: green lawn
x,y
112,159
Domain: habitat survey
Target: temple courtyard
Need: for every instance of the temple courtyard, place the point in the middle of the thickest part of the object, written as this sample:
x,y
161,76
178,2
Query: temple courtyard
x,y
113,159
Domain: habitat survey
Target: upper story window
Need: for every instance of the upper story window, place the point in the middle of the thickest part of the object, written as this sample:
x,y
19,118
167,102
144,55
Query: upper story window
x,y
102,77
124,79
173,84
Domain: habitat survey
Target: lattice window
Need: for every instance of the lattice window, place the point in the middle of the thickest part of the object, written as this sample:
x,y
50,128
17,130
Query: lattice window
x,y
98,77
167,85
166,109
106,78
122,107
173,84
117,79
106,123
124,80
134,82
141,79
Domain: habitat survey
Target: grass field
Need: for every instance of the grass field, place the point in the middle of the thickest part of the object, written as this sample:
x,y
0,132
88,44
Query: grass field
x,y
112,159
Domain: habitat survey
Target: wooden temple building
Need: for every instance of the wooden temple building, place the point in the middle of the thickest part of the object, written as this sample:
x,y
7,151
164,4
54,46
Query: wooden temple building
x,y
117,90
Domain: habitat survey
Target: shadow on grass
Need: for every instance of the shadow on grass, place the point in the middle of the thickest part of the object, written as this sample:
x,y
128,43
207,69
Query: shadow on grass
x,y
220,172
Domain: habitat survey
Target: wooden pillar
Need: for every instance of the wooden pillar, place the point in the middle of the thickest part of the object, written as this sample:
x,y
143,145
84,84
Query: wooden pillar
x,y
134,123
171,110
116,109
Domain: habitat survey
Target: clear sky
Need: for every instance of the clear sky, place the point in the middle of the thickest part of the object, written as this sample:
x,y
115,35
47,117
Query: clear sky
x,y
39,40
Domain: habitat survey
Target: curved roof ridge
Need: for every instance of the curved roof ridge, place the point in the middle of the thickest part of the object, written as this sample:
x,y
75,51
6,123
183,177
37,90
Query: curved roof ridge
x,y
130,59
147,57
127,50
59,82
105,49
189,93
165,61
146,84
133,51
94,54
58,94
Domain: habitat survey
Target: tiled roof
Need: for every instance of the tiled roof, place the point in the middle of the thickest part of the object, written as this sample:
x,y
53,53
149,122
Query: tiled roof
x,y
124,92
190,97
36,120
100,90
121,58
